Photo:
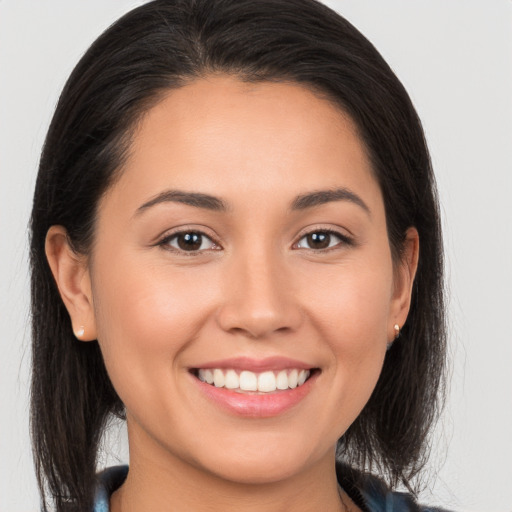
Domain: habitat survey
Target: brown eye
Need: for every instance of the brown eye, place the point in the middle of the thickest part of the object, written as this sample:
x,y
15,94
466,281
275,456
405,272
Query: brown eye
x,y
318,240
190,241
321,240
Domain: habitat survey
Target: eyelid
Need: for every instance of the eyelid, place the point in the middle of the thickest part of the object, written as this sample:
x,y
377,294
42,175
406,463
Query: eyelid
x,y
164,239
345,240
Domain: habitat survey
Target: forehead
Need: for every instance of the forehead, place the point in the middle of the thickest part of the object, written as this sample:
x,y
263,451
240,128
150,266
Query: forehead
x,y
220,131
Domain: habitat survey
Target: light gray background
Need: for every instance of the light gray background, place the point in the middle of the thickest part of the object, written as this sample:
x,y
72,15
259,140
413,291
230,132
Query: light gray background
x,y
455,58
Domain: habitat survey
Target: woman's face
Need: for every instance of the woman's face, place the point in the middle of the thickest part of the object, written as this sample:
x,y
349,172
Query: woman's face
x,y
244,242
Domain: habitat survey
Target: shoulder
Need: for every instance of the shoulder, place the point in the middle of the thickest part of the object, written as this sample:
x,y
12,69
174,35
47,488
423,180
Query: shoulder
x,y
371,494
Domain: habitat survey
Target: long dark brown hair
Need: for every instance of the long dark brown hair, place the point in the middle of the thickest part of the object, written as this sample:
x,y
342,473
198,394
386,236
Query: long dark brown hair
x,y
163,45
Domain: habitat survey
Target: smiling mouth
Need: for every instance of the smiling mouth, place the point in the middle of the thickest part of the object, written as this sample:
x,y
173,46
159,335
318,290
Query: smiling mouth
x,y
246,381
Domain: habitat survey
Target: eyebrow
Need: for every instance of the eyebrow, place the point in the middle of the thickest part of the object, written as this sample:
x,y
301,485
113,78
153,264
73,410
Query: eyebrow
x,y
208,202
321,197
191,198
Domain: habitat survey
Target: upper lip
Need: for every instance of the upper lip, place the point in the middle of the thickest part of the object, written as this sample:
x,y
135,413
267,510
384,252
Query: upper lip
x,y
256,365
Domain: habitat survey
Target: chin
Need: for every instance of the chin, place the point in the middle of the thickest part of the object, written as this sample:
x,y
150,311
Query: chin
x,y
260,471
262,462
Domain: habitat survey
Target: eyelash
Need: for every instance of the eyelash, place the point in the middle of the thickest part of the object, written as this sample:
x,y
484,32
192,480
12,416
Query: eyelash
x,y
166,241
343,239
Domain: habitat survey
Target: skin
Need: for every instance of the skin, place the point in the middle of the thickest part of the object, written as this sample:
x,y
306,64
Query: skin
x,y
257,290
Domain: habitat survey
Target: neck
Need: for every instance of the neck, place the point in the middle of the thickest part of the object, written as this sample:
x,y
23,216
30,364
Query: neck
x,y
169,484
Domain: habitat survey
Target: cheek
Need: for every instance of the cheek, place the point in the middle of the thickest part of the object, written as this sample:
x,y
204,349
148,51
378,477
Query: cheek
x,y
350,307
351,303
145,319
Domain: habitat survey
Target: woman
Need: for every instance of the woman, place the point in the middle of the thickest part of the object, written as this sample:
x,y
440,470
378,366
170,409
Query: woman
x,y
236,246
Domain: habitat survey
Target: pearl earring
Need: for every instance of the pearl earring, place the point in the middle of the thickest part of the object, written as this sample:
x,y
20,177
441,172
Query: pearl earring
x,y
397,334
79,333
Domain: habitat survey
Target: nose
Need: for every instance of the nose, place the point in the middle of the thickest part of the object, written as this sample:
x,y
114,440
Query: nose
x,y
259,299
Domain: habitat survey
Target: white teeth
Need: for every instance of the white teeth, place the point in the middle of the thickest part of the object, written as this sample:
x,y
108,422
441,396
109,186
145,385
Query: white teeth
x,y
232,380
206,376
248,381
282,380
292,379
265,382
218,378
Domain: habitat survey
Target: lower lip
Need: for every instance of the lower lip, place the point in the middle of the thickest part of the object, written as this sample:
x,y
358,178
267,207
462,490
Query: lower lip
x,y
256,405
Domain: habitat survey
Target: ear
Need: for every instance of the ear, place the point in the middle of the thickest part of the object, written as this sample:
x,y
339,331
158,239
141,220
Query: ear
x,y
71,273
404,280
